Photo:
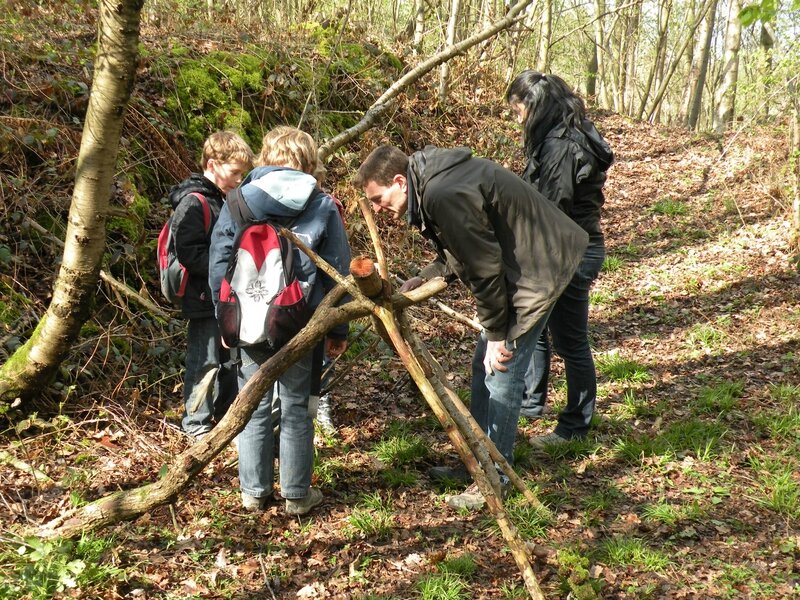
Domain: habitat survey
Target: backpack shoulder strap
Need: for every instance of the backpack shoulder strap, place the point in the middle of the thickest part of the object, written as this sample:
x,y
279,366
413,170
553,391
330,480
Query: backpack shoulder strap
x,y
206,210
240,212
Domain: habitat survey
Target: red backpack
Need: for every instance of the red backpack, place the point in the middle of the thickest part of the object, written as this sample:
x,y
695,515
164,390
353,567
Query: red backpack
x,y
261,301
171,272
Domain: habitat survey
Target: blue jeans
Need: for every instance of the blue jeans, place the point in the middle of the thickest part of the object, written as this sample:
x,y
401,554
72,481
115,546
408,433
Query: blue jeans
x,y
569,328
256,444
210,380
496,398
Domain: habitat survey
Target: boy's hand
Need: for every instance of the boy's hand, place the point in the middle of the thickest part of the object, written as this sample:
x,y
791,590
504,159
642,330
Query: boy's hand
x,y
334,348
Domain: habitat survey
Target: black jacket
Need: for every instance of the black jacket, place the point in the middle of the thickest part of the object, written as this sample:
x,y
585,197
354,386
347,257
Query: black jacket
x,y
569,167
511,247
192,240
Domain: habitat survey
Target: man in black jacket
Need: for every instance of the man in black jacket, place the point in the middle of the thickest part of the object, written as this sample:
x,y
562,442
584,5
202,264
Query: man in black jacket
x,y
210,380
510,246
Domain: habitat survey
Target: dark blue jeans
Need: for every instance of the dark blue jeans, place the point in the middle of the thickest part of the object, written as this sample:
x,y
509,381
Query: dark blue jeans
x,y
210,384
569,329
496,398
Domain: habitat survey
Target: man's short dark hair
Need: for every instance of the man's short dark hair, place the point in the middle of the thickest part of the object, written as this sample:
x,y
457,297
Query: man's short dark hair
x,y
381,166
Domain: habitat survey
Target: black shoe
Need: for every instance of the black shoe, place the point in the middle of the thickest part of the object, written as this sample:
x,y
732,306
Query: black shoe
x,y
444,474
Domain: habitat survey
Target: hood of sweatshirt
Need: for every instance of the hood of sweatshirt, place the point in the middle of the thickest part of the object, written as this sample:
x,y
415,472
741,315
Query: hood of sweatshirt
x,y
277,193
196,183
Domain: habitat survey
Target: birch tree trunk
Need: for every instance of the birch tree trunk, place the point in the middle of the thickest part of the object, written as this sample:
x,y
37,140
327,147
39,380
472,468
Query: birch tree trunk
x,y
699,84
419,26
600,44
664,8
444,71
34,365
543,58
767,40
725,99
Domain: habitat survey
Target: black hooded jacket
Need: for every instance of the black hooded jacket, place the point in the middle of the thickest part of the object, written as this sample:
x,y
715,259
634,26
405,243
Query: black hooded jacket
x,y
569,167
512,248
192,240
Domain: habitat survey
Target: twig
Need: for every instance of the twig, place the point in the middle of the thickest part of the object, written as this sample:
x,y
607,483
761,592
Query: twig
x,y
114,283
460,317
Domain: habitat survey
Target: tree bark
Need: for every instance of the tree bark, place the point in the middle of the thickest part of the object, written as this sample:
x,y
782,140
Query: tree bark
x,y
726,94
450,40
698,82
419,26
33,366
543,56
767,41
382,103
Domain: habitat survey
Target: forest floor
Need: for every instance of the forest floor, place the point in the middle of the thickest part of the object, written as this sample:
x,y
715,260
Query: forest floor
x,y
687,486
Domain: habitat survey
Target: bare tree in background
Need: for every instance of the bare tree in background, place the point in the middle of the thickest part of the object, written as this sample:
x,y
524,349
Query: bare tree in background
x,y
725,99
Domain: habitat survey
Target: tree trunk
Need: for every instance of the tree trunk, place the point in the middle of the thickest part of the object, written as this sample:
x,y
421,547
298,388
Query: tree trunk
x,y
698,82
794,162
444,72
419,26
600,45
767,40
661,44
33,366
543,58
662,89
726,94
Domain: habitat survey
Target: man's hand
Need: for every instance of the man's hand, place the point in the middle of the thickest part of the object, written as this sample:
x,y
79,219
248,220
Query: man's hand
x,y
411,284
334,348
496,355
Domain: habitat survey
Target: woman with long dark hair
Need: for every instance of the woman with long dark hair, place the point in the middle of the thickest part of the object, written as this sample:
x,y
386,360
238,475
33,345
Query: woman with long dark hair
x,y
567,163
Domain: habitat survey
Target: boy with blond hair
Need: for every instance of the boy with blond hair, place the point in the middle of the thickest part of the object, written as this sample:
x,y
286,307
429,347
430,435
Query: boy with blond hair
x,y
291,197
210,380
286,146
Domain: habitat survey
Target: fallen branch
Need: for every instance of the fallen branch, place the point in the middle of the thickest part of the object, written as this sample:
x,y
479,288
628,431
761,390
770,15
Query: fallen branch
x,y
179,473
114,283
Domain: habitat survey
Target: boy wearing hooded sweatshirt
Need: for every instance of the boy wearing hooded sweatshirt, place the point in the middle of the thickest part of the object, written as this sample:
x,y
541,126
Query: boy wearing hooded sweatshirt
x,y
210,380
291,198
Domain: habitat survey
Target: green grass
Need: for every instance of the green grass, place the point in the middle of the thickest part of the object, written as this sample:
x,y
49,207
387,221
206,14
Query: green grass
x,y
698,437
532,522
401,449
39,569
443,586
634,552
669,207
397,478
612,264
372,517
463,565
706,337
719,398
618,368
670,514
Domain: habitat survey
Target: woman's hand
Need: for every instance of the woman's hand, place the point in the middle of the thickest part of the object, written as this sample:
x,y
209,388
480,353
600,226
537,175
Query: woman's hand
x,y
411,284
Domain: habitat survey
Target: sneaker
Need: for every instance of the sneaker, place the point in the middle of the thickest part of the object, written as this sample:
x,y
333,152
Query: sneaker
x,y
540,442
443,474
471,499
252,503
300,506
